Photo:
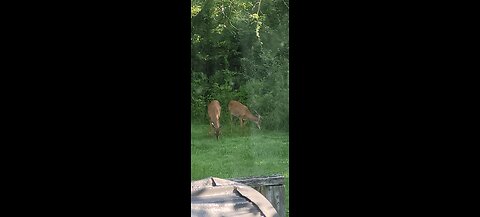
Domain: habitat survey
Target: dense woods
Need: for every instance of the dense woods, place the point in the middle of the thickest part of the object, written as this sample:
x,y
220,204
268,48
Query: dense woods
x,y
240,51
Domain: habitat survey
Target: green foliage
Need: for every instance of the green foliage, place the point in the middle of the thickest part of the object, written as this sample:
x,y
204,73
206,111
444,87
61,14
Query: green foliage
x,y
199,88
240,52
222,93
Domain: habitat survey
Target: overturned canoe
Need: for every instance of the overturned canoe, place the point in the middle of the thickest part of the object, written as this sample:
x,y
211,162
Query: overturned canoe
x,y
220,197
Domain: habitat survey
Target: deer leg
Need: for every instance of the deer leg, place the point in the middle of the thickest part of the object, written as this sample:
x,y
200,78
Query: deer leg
x,y
210,130
231,122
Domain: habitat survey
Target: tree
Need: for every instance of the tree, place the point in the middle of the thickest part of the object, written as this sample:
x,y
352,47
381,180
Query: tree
x,y
239,50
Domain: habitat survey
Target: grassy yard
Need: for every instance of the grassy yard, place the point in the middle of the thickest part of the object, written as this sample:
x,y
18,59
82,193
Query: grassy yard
x,y
239,153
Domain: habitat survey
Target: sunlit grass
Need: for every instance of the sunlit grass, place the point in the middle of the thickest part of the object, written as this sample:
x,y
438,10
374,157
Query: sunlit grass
x,y
239,153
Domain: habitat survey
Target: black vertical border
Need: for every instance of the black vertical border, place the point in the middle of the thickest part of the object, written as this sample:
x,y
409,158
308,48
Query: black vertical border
x,y
100,107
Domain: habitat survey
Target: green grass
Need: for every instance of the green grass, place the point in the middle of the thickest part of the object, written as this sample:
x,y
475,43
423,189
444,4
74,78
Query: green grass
x,y
239,153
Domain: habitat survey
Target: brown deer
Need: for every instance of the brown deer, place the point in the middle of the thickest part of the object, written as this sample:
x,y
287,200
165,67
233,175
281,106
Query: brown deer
x,y
241,111
214,109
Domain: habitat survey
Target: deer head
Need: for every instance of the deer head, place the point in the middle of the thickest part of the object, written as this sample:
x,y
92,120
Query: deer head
x,y
217,130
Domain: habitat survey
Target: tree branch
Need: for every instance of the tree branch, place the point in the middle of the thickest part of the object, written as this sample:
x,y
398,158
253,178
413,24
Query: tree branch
x,y
259,3
286,4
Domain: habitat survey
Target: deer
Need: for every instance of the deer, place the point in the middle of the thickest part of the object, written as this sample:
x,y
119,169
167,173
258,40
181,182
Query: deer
x,y
214,110
242,112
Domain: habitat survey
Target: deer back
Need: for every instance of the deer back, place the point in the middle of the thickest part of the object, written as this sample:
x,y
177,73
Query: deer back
x,y
214,110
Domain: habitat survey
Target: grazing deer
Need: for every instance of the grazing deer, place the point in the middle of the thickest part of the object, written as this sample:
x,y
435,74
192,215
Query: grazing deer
x,y
241,111
214,109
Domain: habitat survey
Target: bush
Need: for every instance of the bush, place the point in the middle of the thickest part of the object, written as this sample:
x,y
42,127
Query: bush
x,y
269,93
265,89
198,102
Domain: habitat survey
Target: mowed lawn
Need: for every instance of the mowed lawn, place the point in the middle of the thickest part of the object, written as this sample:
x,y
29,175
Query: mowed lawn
x,y
239,153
